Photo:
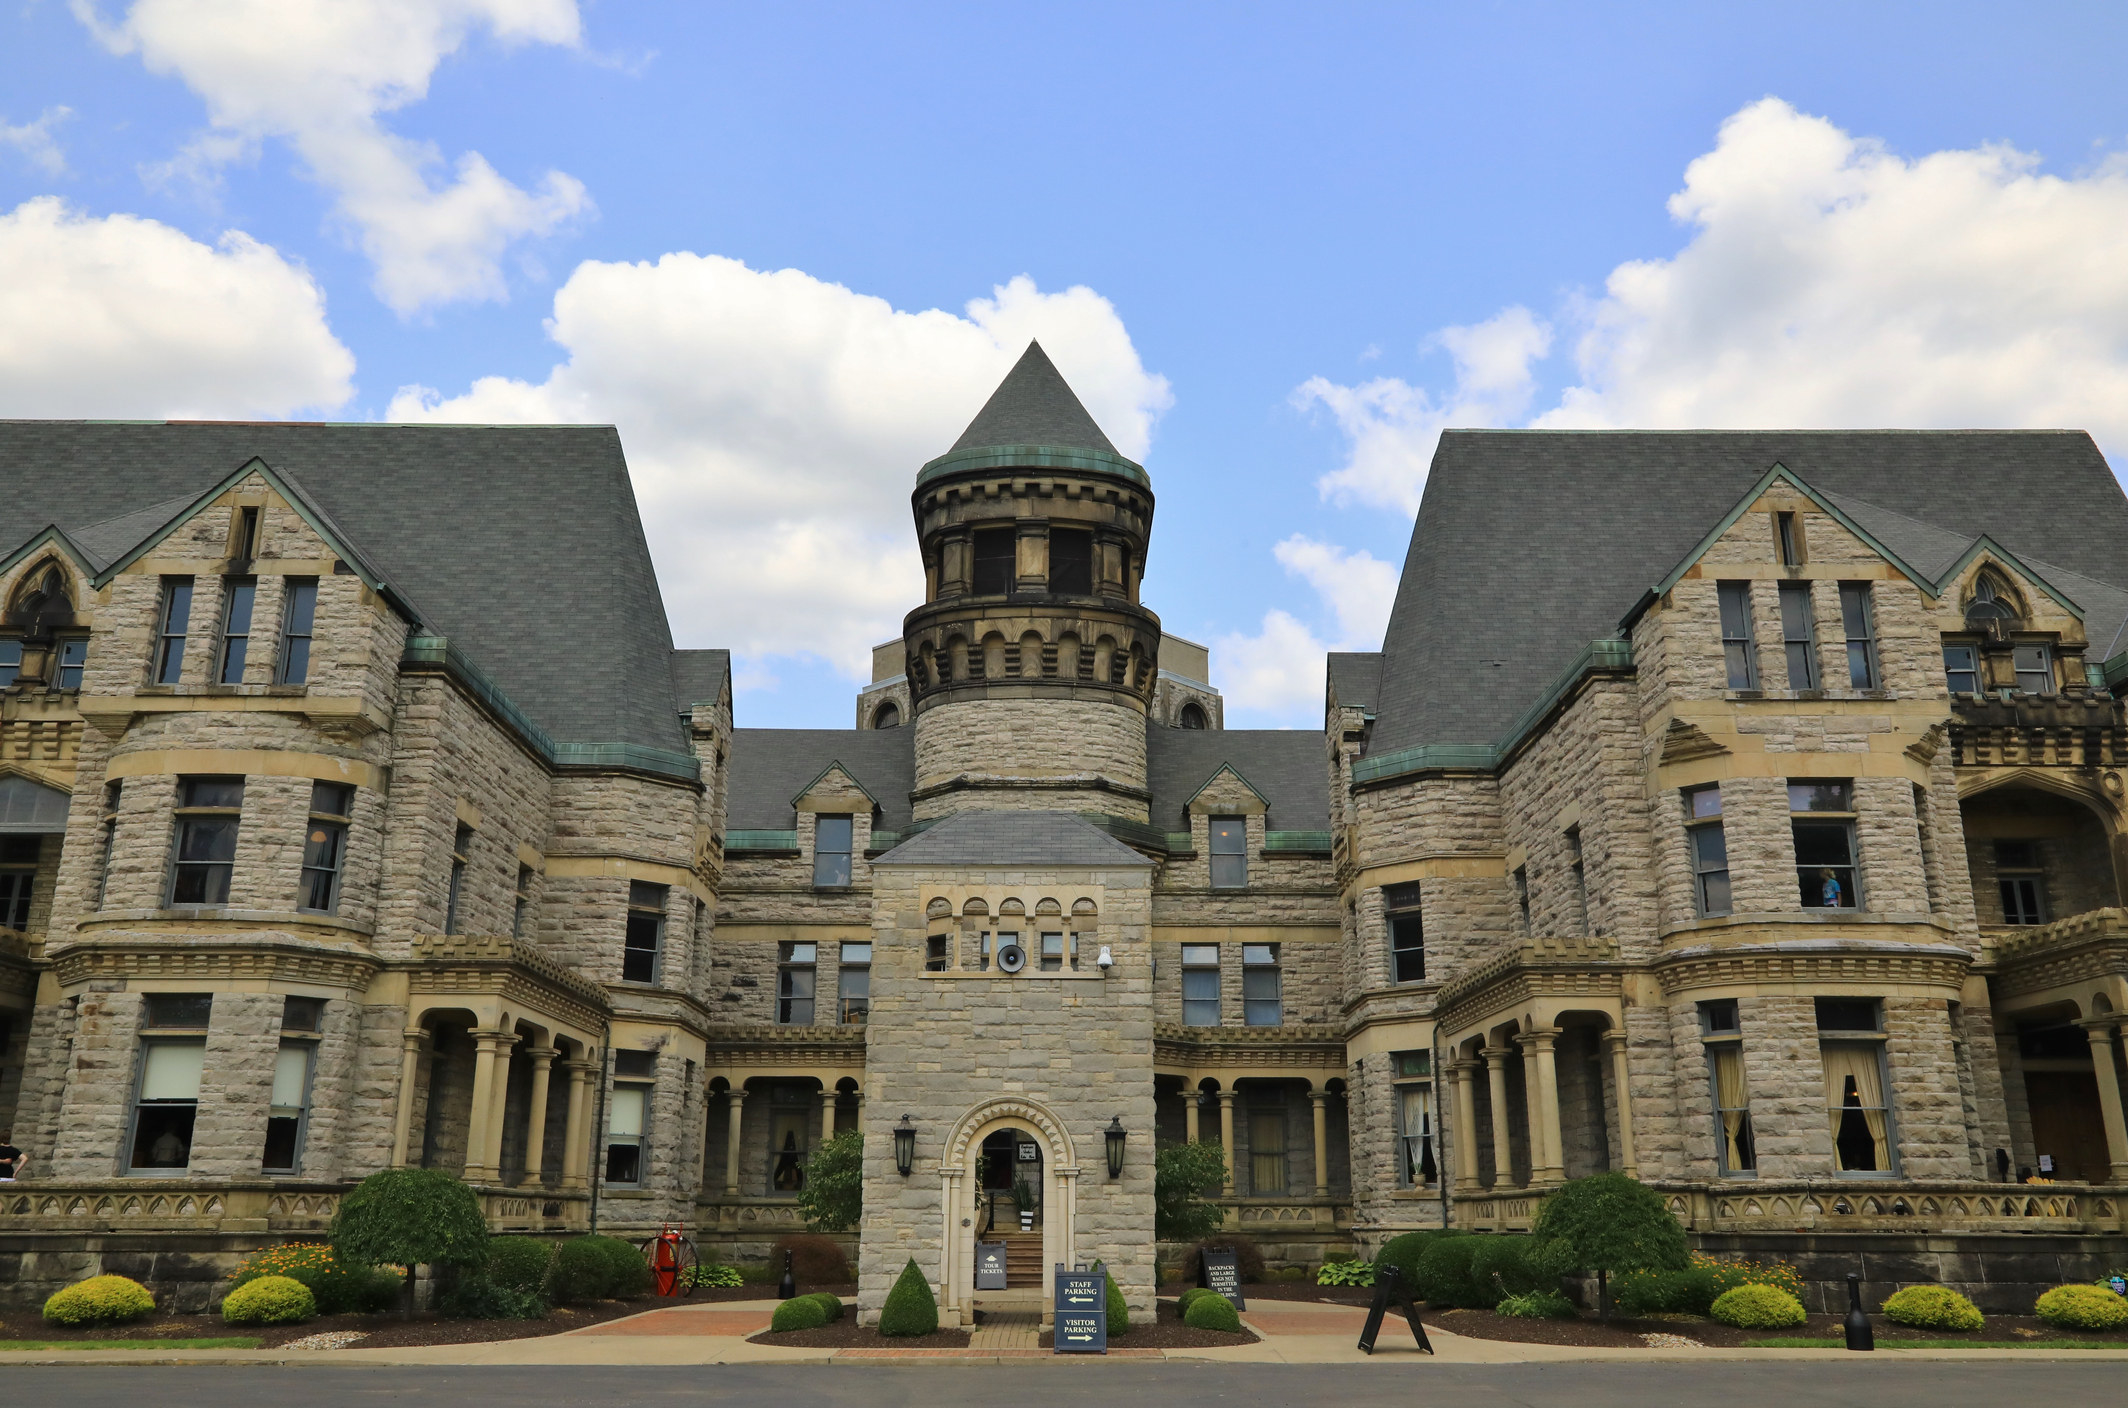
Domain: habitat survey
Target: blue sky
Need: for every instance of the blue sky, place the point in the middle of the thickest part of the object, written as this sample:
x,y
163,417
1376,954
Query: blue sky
x,y
1302,239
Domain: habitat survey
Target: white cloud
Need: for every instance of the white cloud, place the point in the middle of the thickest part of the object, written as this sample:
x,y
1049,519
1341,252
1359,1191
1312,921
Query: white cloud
x,y
35,141
775,423
125,317
1277,673
319,74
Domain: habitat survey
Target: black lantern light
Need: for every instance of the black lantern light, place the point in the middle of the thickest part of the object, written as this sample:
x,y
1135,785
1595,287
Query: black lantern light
x,y
1115,1134
904,1146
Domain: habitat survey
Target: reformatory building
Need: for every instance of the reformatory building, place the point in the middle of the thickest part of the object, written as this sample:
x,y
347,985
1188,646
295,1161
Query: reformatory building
x,y
1740,810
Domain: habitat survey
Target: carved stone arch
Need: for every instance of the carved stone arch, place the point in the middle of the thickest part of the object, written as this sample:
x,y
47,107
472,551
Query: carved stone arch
x,y
43,598
1010,1109
2060,781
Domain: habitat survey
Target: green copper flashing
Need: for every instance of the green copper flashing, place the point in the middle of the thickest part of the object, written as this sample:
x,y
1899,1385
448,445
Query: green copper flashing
x,y
1062,458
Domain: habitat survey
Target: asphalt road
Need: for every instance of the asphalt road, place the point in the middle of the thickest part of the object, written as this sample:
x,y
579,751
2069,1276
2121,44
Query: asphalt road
x,y
1878,1382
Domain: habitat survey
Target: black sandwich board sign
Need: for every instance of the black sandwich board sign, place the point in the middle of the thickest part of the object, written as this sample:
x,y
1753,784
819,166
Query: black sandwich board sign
x,y
1081,1312
990,1266
1389,1285
1218,1269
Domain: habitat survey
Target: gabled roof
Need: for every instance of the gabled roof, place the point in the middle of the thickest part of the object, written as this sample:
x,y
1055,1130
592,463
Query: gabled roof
x,y
1013,839
51,535
1034,405
1530,544
1285,767
772,767
699,677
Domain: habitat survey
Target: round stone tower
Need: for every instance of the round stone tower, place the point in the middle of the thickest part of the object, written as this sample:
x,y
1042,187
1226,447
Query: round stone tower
x,y
1031,663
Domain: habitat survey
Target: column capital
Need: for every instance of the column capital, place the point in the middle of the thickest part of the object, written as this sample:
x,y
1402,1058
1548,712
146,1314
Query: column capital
x,y
1496,1055
1537,1037
737,1094
1226,1097
541,1055
414,1038
1613,1040
1465,1067
495,1036
1318,1097
2098,1029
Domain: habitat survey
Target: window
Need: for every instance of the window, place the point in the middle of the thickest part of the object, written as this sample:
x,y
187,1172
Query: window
x,y
10,661
73,661
1709,850
1822,817
1992,604
1799,636
325,846
935,954
831,851
1722,1033
646,932
790,1127
18,880
303,1014
2035,668
1262,992
461,856
1267,1152
112,791
208,810
173,1053
1577,880
1859,619
1193,716
794,984
523,905
1520,881
170,638
299,613
290,1108
2017,871
888,716
1052,956
1071,561
244,539
1414,1121
1961,669
855,993
238,596
996,566
1737,647
1784,537
1407,934
625,1122
1200,985
1855,1106
1230,852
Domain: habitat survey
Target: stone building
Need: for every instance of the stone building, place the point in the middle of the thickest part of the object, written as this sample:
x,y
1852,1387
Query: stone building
x,y
1740,810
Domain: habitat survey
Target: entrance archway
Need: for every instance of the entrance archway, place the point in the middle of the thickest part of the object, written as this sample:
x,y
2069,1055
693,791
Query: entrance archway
x,y
965,1203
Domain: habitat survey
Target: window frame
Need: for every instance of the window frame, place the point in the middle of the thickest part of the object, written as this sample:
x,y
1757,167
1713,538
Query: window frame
x,y
853,1001
789,966
240,599
1402,914
1195,963
299,598
1415,1149
1257,961
1062,583
643,962
1698,824
153,1033
938,954
990,583
1858,618
638,1143
299,1136
1229,863
1973,668
1049,951
10,662
173,619
846,823
113,795
2044,670
2030,873
454,895
1716,1038
184,817
329,828
1739,647
20,878
1799,613
521,902
1827,821
1279,1116
1873,1041
63,666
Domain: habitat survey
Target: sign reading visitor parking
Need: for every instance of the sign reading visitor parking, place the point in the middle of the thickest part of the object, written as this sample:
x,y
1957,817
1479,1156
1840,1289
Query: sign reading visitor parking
x,y
1081,1312
1218,1269
990,1266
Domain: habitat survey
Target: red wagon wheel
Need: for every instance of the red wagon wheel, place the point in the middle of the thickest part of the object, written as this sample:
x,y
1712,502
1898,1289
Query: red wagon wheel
x,y
672,1259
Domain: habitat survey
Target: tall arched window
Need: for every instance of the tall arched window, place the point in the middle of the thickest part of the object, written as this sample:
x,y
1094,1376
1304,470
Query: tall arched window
x,y
1193,716
1993,603
888,715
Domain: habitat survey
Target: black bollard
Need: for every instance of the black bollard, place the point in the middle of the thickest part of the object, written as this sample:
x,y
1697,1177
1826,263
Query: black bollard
x,y
1859,1334
788,1286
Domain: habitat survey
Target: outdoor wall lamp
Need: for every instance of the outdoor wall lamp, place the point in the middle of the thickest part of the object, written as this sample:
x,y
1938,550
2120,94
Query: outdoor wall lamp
x,y
1115,1134
904,1146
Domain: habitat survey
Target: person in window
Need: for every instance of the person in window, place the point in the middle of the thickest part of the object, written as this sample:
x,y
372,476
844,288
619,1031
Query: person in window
x,y
1829,891
790,1166
12,1160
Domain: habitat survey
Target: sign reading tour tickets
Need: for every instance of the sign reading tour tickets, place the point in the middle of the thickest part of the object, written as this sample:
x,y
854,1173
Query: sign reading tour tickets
x,y
1081,1312
990,1266
1218,1269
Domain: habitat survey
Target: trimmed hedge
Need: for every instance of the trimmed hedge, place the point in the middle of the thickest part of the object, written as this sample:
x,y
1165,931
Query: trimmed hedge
x,y
2082,1308
1248,1257
1934,1308
1192,1294
910,1309
1118,1308
1757,1308
597,1268
100,1300
520,1263
269,1300
1508,1265
832,1304
1444,1274
1212,1311
798,1313
1402,1252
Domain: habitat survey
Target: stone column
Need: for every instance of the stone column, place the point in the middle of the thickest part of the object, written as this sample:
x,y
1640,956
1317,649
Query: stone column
x,y
1466,1131
1320,1099
827,1113
1621,1081
1226,1137
1067,1186
2109,1098
1191,1099
542,1058
491,1158
1541,1077
403,1118
575,1148
482,1112
737,1103
1503,1151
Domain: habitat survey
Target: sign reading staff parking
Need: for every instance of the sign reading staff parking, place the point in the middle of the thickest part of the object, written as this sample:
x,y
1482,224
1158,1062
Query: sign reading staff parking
x,y
1081,1312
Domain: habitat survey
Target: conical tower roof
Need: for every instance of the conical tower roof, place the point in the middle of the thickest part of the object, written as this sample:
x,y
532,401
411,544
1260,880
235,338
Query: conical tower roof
x,y
1034,405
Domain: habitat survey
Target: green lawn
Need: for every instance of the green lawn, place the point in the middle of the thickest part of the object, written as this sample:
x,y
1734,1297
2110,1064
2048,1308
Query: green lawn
x,y
223,1342
1812,1342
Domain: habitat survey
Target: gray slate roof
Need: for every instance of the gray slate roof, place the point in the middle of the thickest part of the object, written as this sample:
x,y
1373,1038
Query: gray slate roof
x,y
699,676
1355,678
1033,406
1013,839
1531,543
1285,765
520,543
770,766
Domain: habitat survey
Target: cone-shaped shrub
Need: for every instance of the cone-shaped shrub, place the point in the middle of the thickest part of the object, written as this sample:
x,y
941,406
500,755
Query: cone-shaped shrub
x,y
911,1309
1118,1311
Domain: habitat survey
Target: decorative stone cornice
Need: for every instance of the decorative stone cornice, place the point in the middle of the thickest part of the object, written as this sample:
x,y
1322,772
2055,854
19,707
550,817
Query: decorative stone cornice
x,y
761,1044
1811,963
2076,949
494,963
276,958
1545,966
1292,1047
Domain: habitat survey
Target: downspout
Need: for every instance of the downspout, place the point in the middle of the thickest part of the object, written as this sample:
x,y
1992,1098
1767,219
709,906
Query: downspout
x,y
1440,1122
598,1125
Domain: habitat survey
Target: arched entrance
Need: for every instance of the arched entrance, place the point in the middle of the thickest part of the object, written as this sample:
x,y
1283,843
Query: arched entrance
x,y
1053,1172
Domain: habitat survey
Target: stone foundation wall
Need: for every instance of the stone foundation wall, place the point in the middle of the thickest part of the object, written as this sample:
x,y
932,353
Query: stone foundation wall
x,y
2002,1275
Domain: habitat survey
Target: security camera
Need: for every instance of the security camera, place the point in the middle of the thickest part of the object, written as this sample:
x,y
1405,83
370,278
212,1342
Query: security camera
x,y
1106,960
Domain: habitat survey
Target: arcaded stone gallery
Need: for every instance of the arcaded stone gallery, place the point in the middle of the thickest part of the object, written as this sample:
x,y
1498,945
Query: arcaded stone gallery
x,y
1740,810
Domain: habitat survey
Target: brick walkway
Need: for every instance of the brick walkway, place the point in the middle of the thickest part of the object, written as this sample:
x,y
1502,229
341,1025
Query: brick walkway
x,y
1002,1330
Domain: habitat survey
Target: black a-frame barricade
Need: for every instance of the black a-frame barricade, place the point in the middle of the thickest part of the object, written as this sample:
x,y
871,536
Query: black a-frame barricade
x,y
1389,1286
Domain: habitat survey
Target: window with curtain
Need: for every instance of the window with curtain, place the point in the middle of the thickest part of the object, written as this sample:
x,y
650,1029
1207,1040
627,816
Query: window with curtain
x,y
1855,1107
1267,1152
291,1104
1417,1169
1732,1107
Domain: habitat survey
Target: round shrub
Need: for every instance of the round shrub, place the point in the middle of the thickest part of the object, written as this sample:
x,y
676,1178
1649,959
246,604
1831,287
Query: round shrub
x,y
798,1313
1191,1294
269,1300
831,1304
520,1263
2070,1308
338,1287
1503,1266
1402,1252
815,1260
628,1274
1444,1274
1933,1308
1212,1312
580,1272
910,1308
1757,1308
100,1300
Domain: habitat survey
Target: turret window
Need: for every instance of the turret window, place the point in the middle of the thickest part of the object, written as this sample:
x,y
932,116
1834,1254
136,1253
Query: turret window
x,y
1071,562
1407,933
325,846
1823,822
996,556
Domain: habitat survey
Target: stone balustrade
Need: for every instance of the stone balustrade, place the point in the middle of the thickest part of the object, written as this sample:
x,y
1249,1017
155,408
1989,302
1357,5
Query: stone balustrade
x,y
278,1207
1841,1205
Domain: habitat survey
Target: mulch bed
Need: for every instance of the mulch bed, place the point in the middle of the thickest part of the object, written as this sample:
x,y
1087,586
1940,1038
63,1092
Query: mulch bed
x,y
1622,1333
846,1333
1168,1332
378,1331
